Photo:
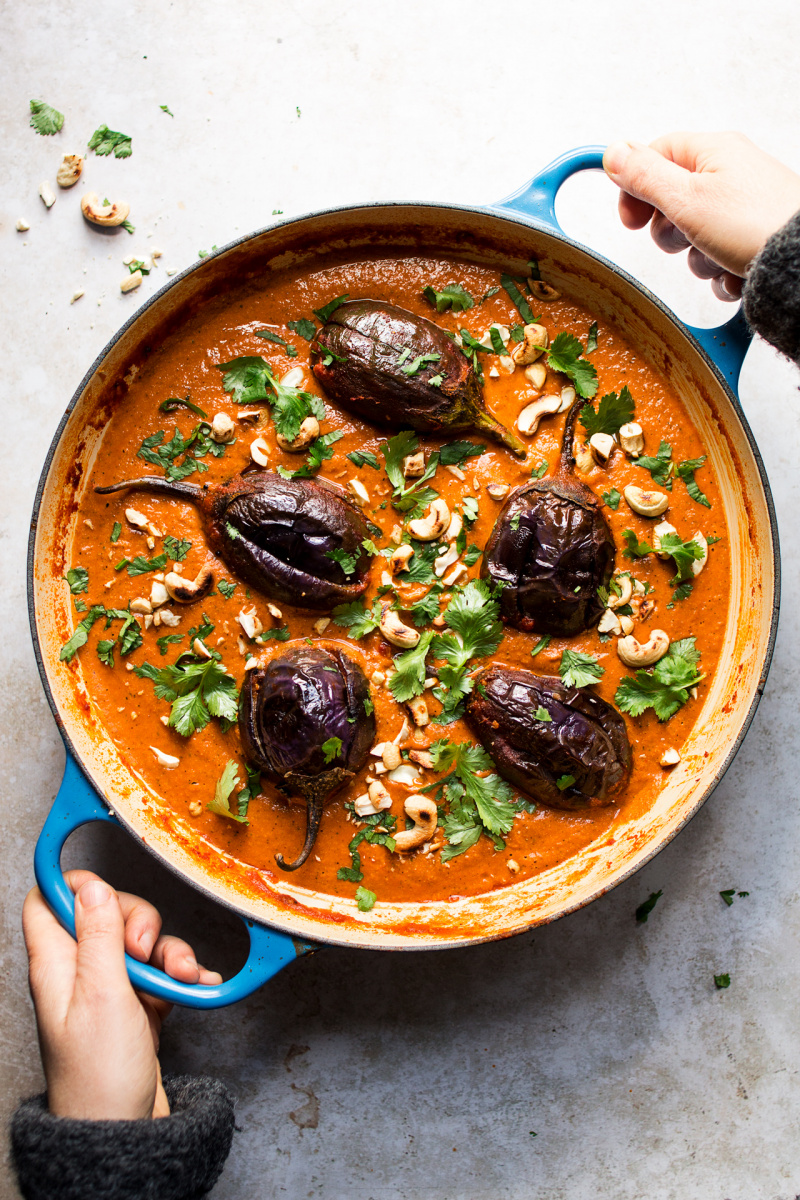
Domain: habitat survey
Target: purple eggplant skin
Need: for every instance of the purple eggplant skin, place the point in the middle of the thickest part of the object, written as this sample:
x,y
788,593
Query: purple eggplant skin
x,y
289,709
585,738
551,549
371,342
275,534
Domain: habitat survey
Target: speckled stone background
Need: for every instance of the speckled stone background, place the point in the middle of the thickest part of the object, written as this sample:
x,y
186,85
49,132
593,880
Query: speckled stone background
x,y
362,1076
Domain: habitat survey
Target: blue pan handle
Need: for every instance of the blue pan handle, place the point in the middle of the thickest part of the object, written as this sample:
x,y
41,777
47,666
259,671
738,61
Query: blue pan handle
x,y
726,345
76,804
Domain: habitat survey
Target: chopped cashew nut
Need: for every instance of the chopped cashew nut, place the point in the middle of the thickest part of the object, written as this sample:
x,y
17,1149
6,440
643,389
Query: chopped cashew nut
x,y
140,605
250,622
76,296
406,775
135,518
626,624
602,447
250,663
248,414
423,758
201,649
433,525
377,677
379,796
631,439
494,373
386,579
454,575
69,171
609,623
391,756
643,654
322,624
424,814
567,397
195,808
536,374
358,492
543,291
497,491
309,429
513,866
699,563
223,428
659,532
584,459
625,584
187,590
165,616
405,730
456,472
647,610
670,758
131,282
363,806
400,559
395,631
165,760
103,214
47,194
507,363
445,560
274,611
414,465
259,451
293,378
22,225
528,420
533,345
158,594
419,711
454,528
646,503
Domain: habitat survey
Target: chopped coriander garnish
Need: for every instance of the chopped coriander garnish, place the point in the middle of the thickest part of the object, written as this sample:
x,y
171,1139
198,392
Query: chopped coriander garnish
x,y
722,981
634,548
81,633
474,631
361,458
303,328
455,454
332,749
685,470
579,670
684,554
612,499
197,691
659,465
357,618
478,802
644,910
116,532
169,639
78,580
517,299
168,406
452,296
176,548
540,469
141,565
104,140
365,899
591,341
542,714
612,413
564,782
324,314
222,794
565,355
269,336
419,363
165,109
542,644
226,588
666,687
44,119
348,562
250,380
318,452
514,521
409,674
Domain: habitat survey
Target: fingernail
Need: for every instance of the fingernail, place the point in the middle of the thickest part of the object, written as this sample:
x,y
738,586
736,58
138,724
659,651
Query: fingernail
x,y
94,893
191,962
616,156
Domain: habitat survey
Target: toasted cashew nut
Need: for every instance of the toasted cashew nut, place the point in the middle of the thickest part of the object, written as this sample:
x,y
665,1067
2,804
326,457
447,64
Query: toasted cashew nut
x,y
358,492
259,451
250,621
423,758
158,594
135,518
567,397
223,429
379,796
432,526
309,429
497,491
445,560
391,756
103,214
659,532
609,623
414,465
602,447
584,460
528,420
187,590
646,504
400,559
625,624
165,760
423,813
626,590
543,291
47,194
699,563
395,631
140,604
643,654
69,172
293,378
631,439
131,282
536,374
670,758
200,649
454,528
419,711
533,345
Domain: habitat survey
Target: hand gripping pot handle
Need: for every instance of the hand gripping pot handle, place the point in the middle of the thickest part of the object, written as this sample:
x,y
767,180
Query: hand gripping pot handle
x,y
76,804
726,345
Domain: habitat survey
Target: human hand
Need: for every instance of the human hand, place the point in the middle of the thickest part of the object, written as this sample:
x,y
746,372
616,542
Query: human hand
x,y
716,193
98,1037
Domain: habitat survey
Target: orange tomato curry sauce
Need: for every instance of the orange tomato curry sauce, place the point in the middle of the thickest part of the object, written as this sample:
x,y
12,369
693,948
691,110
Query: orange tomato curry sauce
x,y
186,365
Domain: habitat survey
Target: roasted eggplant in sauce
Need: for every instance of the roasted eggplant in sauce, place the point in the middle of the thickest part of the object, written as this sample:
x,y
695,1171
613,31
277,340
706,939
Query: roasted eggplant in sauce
x,y
289,710
378,361
551,549
278,534
579,758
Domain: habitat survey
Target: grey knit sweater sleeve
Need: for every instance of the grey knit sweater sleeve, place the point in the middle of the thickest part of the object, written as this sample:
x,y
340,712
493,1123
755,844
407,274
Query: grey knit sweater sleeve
x,y
772,290
179,1157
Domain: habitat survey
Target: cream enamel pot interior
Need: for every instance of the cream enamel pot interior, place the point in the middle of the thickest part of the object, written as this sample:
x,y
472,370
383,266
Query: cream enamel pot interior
x,y
282,917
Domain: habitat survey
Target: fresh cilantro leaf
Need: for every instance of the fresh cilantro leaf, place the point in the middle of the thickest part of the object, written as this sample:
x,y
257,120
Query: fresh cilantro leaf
x,y
541,469
471,348
357,618
136,264
226,588
80,605
130,635
141,565
44,119
348,562
664,689
361,458
104,140
660,466
644,910
246,378
498,344
168,406
613,412
250,379
474,632
591,341
332,749
488,295
324,314
197,691
365,899
455,454
634,548
565,355
165,109
452,296
176,548
116,532
168,640
81,633
564,782
579,670
722,981
409,674
419,363
491,795
533,270
612,499
472,555
251,788
681,593
517,299
683,554
469,510
222,793
269,336
78,580
542,714
463,830
278,634
105,651
408,497
319,451
303,328
685,470
423,612
542,644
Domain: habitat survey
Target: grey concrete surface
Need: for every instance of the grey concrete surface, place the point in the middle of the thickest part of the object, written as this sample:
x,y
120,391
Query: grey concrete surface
x,y
363,1076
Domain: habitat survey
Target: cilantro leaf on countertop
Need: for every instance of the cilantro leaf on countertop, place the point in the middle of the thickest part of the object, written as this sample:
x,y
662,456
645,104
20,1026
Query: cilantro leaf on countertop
x,y
612,413
644,910
722,981
104,140
452,296
222,794
565,355
659,465
197,691
44,119
666,687
409,673
685,470
579,670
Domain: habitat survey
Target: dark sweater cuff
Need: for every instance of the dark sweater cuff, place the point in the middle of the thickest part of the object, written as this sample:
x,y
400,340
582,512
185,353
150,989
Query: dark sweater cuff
x,y
178,1157
772,290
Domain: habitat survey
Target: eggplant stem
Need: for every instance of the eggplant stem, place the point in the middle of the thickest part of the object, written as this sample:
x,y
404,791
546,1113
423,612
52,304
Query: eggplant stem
x,y
567,463
485,421
153,483
313,817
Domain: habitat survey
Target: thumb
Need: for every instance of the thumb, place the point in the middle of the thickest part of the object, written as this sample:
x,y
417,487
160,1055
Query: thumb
x,y
649,176
100,930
